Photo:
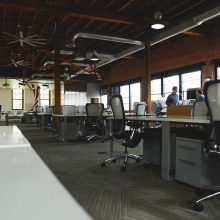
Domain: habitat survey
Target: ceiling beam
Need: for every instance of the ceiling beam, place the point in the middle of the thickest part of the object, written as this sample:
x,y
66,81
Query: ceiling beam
x,y
101,18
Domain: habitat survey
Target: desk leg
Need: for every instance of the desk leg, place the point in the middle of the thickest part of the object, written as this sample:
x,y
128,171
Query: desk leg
x,y
65,129
166,150
111,141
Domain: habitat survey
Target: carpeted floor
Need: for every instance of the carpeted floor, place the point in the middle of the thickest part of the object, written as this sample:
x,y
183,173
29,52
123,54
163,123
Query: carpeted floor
x,y
109,194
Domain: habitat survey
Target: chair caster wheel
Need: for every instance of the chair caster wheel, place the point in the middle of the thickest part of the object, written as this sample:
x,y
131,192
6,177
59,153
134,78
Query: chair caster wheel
x,y
138,160
198,207
103,164
146,164
113,161
123,168
102,140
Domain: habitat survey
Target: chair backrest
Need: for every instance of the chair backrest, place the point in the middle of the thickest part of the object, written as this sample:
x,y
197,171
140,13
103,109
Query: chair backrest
x,y
141,109
117,107
200,109
39,109
68,109
212,98
94,109
50,109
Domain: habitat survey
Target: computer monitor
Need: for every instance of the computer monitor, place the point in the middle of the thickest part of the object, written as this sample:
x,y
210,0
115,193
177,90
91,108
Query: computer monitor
x,y
191,93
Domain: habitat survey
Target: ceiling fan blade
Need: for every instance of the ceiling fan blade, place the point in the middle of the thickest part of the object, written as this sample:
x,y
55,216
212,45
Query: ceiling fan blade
x,y
32,36
35,42
21,35
28,42
10,35
21,43
12,42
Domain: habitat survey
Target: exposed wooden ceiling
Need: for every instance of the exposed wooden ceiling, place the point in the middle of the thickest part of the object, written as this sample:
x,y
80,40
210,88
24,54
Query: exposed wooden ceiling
x,y
121,18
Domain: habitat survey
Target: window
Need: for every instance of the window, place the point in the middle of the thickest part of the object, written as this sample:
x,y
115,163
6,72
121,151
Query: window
x,y
75,98
190,80
124,91
17,99
104,100
44,97
168,83
155,89
130,93
135,94
218,72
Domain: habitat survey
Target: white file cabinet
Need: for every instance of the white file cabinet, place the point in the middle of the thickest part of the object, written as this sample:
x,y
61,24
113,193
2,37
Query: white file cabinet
x,y
192,166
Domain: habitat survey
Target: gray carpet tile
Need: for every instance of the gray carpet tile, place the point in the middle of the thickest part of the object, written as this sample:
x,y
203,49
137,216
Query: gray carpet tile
x,y
109,194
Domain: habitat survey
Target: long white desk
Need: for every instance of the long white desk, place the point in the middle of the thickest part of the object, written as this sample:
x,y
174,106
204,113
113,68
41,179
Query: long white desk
x,y
28,189
166,136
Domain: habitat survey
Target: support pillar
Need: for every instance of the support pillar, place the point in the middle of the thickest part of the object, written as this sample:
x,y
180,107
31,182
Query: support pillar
x,y
57,87
146,81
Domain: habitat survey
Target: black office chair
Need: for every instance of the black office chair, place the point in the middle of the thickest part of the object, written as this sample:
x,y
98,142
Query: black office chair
x,y
94,121
128,138
212,148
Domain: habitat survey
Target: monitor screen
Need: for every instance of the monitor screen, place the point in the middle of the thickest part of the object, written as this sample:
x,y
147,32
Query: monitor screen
x,y
191,93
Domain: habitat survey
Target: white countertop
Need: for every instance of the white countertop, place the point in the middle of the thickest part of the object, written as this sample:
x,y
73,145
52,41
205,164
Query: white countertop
x,y
28,189
11,137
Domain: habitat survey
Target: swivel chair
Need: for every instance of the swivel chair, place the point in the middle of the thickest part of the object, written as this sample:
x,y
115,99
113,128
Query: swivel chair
x,y
212,148
94,121
127,138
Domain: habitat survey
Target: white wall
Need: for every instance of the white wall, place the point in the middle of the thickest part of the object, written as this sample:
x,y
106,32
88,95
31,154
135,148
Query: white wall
x,y
6,93
5,99
93,91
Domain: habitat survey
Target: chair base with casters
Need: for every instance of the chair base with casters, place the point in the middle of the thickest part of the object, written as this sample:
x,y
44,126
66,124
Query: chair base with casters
x,y
213,151
95,136
129,142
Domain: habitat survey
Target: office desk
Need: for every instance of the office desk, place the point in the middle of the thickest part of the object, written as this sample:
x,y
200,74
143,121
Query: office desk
x,y
166,135
28,189
43,120
67,126
68,130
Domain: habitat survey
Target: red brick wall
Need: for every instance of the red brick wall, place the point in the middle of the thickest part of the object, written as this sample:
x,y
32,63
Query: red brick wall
x,y
171,54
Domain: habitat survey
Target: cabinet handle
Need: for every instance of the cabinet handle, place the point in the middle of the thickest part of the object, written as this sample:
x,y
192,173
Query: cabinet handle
x,y
187,161
187,147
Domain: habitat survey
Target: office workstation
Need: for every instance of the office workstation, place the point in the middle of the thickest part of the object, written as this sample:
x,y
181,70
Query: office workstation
x,y
117,106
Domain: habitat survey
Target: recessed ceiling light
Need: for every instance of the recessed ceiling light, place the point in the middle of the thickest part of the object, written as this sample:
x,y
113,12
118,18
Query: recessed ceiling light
x,y
157,26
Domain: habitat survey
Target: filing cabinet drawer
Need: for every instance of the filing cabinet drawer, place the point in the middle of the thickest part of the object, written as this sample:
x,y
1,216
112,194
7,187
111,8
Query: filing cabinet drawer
x,y
188,171
188,161
188,149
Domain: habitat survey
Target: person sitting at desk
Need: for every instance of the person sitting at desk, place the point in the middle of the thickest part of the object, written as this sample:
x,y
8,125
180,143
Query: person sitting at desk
x,y
199,96
173,98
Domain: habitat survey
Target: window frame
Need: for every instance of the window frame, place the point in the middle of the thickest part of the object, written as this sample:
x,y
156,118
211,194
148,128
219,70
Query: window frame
x,y
22,99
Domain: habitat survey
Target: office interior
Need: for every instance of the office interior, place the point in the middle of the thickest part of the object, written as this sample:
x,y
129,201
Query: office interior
x,y
70,53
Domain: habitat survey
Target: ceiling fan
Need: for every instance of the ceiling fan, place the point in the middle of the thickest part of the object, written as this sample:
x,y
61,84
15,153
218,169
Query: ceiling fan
x,y
32,40
18,63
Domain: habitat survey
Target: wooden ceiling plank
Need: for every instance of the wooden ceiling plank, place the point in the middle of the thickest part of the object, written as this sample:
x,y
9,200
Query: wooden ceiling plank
x,y
180,12
108,5
87,25
101,18
123,7
92,3
32,23
18,26
44,27
21,6
193,33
